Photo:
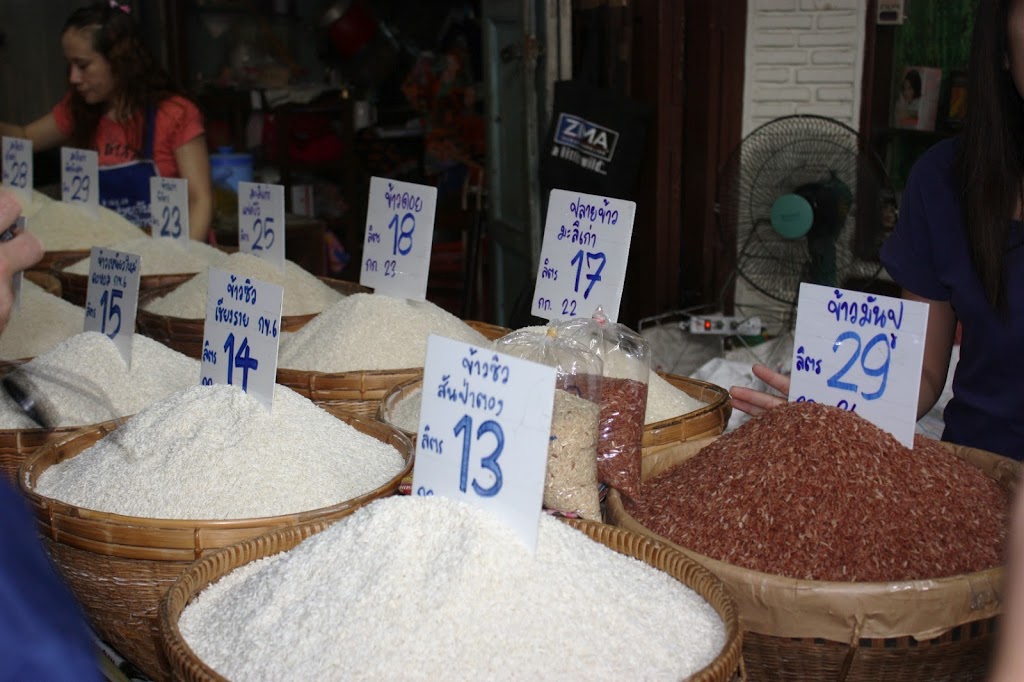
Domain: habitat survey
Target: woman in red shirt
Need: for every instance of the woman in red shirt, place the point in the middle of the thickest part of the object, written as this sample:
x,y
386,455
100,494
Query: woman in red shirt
x,y
122,104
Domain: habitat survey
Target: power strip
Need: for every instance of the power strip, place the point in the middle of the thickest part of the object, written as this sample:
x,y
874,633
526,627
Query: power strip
x,y
724,325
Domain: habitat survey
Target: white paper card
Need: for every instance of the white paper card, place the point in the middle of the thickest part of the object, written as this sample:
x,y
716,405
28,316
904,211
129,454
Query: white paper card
x,y
485,421
79,177
860,352
583,257
112,297
17,167
261,221
168,200
241,334
398,238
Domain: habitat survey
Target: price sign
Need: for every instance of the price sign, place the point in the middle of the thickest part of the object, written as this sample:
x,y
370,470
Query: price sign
x,y
241,334
79,177
168,199
583,256
261,221
17,167
485,422
399,234
860,352
112,297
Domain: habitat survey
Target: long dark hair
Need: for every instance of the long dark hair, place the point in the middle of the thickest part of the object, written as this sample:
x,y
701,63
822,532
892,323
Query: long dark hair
x,y
139,80
990,161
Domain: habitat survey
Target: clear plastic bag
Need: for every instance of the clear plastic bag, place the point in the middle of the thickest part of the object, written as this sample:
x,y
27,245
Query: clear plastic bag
x,y
626,363
570,483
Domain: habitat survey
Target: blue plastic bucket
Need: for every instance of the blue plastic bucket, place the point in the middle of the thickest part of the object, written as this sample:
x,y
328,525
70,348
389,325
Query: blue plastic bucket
x,y
228,168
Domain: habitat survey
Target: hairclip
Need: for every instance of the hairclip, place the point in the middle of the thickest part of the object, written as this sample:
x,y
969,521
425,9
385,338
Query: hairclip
x,y
124,8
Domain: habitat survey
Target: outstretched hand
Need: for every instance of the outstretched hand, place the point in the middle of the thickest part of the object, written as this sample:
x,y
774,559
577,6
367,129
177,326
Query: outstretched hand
x,y
754,402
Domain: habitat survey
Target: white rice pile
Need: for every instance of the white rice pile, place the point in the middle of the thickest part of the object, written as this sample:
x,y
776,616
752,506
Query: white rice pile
x,y
304,294
62,226
84,380
40,323
162,256
665,401
439,590
38,201
213,452
371,331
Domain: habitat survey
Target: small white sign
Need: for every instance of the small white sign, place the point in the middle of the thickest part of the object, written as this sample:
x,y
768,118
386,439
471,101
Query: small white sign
x,y
168,200
485,423
112,297
261,221
860,352
399,235
79,177
17,167
242,334
583,257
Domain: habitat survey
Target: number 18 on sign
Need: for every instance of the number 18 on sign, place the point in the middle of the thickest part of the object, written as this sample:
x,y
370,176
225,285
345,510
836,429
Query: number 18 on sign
x,y
399,234
860,352
583,257
241,334
485,421
112,297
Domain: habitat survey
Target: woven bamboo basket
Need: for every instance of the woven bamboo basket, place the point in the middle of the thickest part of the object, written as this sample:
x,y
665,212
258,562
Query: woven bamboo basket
x,y
709,420
186,335
120,566
925,630
45,281
74,286
360,392
187,666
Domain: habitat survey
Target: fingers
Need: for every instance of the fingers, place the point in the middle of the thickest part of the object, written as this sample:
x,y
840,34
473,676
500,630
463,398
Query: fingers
x,y
752,401
19,254
778,381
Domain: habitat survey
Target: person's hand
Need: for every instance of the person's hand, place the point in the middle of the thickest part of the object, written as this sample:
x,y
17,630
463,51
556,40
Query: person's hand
x,y
754,402
16,254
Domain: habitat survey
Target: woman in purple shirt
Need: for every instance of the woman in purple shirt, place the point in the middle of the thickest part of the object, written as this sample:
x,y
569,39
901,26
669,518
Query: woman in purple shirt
x,y
959,247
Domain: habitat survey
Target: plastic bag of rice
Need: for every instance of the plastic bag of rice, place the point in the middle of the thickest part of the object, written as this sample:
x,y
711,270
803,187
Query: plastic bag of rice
x,y
445,591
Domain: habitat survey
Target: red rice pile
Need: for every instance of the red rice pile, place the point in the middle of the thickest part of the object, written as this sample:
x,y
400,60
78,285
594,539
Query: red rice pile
x,y
817,493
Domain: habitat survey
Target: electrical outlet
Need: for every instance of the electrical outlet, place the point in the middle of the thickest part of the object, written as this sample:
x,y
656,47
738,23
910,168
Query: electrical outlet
x,y
725,325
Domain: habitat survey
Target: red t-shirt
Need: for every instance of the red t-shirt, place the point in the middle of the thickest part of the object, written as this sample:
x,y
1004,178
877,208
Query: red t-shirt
x,y
177,121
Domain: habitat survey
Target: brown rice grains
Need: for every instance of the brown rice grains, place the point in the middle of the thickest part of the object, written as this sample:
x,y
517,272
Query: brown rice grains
x,y
817,493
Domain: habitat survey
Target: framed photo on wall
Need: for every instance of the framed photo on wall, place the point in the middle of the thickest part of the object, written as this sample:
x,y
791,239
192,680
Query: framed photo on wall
x,y
916,99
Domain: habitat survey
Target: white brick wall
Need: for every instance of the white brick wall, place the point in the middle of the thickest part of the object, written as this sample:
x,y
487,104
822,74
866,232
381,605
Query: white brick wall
x,y
803,57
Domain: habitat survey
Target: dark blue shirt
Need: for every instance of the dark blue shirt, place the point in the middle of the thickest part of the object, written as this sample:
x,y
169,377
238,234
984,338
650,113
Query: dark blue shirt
x,y
43,635
928,255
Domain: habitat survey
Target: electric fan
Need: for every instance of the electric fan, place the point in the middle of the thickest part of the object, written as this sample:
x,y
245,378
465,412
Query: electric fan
x,y
801,201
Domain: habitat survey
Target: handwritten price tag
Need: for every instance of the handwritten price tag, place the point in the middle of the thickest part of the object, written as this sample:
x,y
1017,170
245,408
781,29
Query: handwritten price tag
x,y
112,297
398,237
79,177
485,422
17,167
261,221
241,334
168,200
583,256
862,353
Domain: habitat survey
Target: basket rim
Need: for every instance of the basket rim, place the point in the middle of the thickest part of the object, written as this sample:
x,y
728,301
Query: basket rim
x,y
215,566
40,502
